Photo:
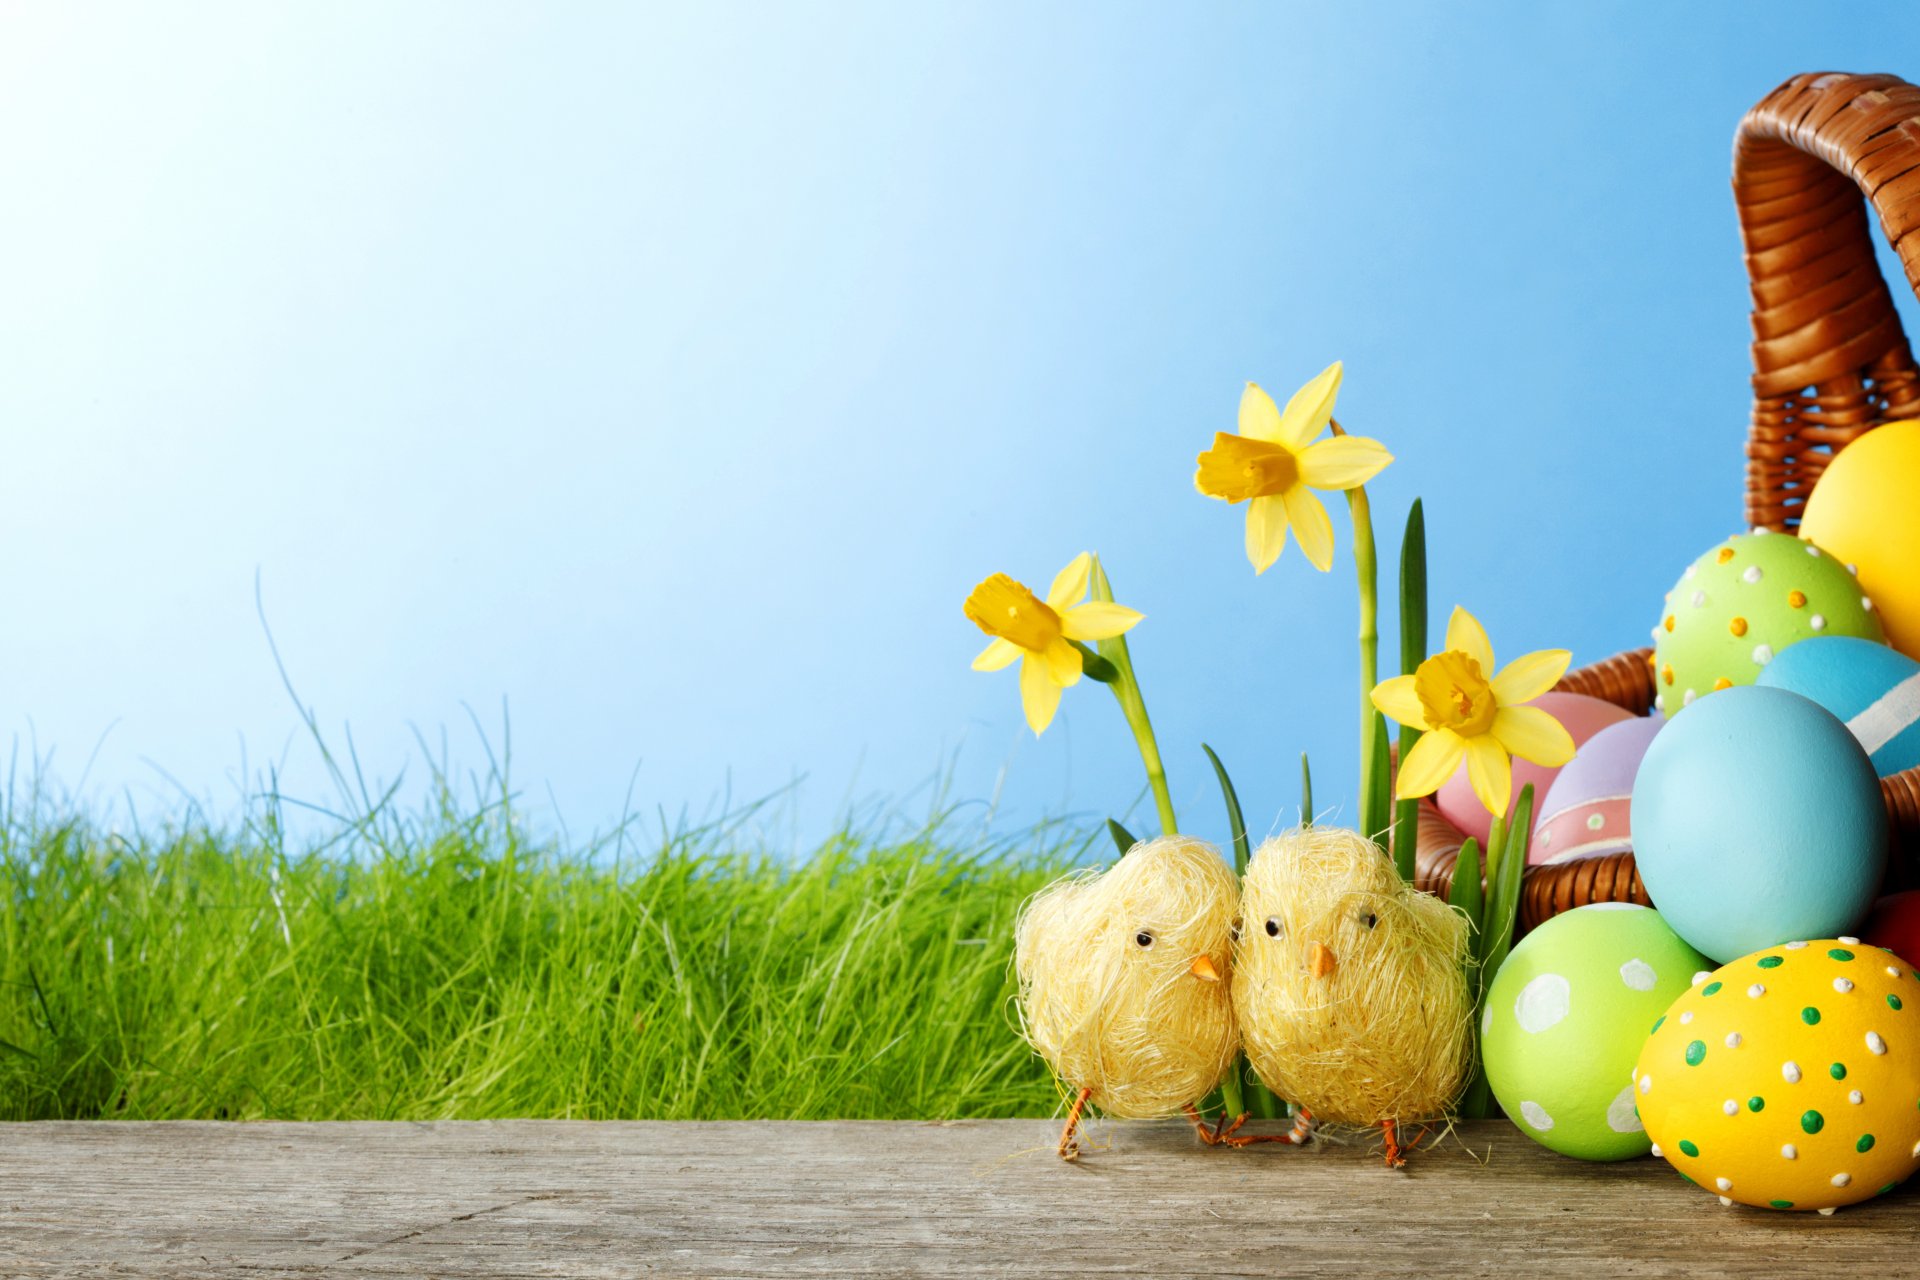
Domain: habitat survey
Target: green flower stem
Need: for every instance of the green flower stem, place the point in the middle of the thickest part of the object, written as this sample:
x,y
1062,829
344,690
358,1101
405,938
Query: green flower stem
x,y
1373,817
1126,690
1306,792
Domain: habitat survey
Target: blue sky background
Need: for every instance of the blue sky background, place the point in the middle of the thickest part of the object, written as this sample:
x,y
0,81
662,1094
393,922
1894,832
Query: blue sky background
x,y
672,372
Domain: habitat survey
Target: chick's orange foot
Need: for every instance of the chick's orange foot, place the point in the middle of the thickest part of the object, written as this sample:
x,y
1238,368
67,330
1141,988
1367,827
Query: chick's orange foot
x,y
1223,1132
1397,1154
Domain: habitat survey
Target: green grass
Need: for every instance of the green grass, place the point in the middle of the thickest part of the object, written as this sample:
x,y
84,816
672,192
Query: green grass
x,y
447,966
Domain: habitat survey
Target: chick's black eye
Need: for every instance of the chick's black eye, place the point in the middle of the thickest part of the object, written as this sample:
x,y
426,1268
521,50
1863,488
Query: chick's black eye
x,y
1274,927
1372,920
1233,931
1144,938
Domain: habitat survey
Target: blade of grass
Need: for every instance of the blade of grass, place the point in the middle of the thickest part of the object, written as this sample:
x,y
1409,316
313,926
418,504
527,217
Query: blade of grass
x,y
1467,894
1413,651
1380,783
1506,900
1235,823
1122,838
1264,1104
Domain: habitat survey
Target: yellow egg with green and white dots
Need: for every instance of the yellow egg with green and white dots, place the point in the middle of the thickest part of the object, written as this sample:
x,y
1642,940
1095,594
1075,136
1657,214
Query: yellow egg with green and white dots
x,y
1789,1078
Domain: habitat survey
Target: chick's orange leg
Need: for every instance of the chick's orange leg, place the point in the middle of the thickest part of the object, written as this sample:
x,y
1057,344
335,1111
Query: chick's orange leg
x,y
1222,1134
1209,1134
1069,1136
1397,1154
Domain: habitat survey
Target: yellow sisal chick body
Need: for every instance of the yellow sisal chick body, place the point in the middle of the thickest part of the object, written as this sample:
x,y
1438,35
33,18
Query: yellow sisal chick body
x,y
1122,974
1348,983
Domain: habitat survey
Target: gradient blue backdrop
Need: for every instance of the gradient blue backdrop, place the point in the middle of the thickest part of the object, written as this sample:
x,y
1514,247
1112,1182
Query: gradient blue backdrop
x,y
672,372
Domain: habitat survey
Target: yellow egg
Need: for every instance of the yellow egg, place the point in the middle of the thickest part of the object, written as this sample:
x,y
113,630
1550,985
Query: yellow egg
x,y
1862,513
1790,1078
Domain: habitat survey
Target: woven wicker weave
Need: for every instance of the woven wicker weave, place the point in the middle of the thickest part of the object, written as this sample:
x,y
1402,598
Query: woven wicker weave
x,y
1830,360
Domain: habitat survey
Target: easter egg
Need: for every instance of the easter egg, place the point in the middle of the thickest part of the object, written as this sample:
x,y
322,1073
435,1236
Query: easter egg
x,y
1567,1014
1875,690
1756,818
1580,715
1586,812
1863,512
1743,602
1894,923
1789,1079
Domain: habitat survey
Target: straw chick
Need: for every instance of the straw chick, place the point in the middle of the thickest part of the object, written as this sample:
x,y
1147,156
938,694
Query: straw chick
x,y
1348,984
1122,982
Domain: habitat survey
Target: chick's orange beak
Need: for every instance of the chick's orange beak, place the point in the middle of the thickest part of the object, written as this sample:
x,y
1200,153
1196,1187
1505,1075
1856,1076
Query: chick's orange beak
x,y
1202,968
1319,960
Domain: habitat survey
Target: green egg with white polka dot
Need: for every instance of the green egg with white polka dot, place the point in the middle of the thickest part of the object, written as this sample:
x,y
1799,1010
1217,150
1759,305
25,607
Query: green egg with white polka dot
x,y
1744,601
1566,1017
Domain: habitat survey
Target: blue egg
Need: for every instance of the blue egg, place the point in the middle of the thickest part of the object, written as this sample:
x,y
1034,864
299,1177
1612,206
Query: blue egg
x,y
1757,819
1874,689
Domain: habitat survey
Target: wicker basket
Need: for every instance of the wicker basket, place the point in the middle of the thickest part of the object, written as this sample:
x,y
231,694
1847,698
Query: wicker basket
x,y
1830,359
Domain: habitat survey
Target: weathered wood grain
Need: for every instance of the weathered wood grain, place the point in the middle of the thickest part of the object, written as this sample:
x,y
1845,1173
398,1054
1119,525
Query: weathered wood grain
x,y
987,1198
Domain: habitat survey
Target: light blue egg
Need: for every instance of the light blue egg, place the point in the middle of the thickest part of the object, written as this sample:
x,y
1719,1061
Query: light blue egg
x,y
1757,819
1874,689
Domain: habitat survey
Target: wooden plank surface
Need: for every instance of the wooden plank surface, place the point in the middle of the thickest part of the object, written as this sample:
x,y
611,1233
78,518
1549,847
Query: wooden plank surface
x,y
984,1198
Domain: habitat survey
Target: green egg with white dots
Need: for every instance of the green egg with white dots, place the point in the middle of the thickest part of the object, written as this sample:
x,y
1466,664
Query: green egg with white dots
x,y
1566,1017
1747,599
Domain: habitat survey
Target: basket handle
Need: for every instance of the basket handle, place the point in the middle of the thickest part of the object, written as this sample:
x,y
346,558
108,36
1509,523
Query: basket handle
x,y
1822,316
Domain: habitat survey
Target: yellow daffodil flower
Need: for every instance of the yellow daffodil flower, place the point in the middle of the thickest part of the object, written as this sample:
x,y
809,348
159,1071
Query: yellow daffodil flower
x,y
1274,463
1464,714
1038,632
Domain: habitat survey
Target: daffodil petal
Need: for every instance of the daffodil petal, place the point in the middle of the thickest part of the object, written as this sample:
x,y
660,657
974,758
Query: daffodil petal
x,y
1530,675
1098,620
998,654
1311,407
1342,462
1070,584
1490,772
1259,415
1063,663
1039,695
1396,700
1310,525
1430,763
1465,633
1266,531
1533,734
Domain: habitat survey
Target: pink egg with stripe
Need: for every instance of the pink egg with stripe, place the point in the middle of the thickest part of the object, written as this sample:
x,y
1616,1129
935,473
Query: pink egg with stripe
x,y
1585,811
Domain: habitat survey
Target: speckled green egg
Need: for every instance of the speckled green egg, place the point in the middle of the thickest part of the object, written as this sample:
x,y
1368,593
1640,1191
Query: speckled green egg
x,y
1744,601
1566,1017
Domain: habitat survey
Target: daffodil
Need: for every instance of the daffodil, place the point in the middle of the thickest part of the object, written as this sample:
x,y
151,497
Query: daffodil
x,y
1466,715
1041,632
1275,462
